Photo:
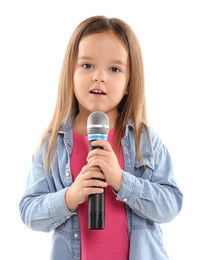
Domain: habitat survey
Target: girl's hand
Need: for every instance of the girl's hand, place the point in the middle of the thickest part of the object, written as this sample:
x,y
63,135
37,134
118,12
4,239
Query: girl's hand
x,y
107,161
90,180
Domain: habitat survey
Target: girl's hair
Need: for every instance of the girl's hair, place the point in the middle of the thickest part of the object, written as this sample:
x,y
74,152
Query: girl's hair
x,y
132,107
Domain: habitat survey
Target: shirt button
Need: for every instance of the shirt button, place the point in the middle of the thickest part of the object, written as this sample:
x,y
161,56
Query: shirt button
x,y
76,235
125,199
67,174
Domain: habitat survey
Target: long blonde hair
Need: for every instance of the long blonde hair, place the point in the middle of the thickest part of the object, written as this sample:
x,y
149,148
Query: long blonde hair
x,y
131,107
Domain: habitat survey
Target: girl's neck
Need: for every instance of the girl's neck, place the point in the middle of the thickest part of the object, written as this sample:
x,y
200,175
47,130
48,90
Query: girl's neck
x,y
80,125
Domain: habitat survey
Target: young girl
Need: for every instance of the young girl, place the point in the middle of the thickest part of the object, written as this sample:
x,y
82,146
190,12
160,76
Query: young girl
x,y
102,71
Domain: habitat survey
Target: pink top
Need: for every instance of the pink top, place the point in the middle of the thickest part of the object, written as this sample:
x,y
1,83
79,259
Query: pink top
x,y
113,241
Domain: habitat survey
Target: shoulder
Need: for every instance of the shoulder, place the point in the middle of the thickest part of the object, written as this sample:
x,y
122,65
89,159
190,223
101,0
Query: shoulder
x,y
64,136
151,141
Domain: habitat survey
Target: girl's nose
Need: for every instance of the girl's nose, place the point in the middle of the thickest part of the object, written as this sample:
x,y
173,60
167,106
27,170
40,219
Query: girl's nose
x,y
99,77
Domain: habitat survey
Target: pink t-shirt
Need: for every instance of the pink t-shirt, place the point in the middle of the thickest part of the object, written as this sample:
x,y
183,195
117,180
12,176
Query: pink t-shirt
x,y
113,241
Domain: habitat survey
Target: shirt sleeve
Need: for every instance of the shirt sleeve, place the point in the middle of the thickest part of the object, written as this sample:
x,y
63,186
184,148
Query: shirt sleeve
x,y
43,205
152,192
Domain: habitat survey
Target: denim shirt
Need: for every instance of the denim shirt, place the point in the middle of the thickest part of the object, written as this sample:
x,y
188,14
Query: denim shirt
x,y
149,191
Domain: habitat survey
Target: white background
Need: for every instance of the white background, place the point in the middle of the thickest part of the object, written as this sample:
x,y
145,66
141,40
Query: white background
x,y
33,38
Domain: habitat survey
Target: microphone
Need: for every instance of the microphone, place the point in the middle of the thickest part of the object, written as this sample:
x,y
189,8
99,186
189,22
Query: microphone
x,y
97,128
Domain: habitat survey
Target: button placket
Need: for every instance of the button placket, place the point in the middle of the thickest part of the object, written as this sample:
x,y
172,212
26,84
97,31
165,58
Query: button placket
x,y
76,235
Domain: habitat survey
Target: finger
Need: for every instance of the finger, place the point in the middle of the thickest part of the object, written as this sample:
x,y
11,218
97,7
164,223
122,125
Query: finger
x,y
101,143
96,183
93,168
93,190
96,154
94,175
101,163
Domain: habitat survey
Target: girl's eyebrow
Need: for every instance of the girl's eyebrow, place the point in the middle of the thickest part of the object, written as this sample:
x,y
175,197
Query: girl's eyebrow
x,y
119,62
113,61
85,58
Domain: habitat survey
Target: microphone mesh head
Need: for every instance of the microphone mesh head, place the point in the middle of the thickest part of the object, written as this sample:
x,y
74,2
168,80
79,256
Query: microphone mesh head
x,y
97,123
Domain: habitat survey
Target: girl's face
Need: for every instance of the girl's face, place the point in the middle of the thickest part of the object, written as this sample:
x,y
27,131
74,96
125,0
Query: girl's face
x,y
101,74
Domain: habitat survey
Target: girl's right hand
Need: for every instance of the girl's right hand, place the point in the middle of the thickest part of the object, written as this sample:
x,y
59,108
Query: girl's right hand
x,y
90,180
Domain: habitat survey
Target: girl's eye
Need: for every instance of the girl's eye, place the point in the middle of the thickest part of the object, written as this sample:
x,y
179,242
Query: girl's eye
x,y
87,66
115,69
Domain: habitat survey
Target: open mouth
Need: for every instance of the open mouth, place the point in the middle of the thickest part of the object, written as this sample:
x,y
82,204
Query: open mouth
x,y
97,92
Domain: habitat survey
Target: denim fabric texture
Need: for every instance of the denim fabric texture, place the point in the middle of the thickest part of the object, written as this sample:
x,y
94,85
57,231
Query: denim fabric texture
x,y
149,191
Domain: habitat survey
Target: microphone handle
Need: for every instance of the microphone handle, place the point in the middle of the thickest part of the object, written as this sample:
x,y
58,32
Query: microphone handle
x,y
96,206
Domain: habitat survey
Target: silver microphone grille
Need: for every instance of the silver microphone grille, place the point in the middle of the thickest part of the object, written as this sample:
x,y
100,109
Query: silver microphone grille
x,y
97,123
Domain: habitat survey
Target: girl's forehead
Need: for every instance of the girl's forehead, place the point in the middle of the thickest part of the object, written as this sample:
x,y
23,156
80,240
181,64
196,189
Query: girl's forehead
x,y
102,38
101,42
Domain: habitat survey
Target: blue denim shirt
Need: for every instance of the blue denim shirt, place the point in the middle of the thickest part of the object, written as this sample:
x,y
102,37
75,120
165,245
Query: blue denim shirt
x,y
149,191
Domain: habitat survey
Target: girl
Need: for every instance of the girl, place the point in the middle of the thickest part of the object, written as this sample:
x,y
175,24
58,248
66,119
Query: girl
x,y
102,71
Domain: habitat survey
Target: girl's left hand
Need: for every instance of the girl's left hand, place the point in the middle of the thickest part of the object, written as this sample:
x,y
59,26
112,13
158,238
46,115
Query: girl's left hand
x,y
107,160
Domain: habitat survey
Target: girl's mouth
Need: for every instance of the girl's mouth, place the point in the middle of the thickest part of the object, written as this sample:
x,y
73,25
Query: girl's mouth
x,y
97,91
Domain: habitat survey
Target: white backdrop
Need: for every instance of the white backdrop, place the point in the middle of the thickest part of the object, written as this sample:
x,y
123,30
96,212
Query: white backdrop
x,y
34,35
